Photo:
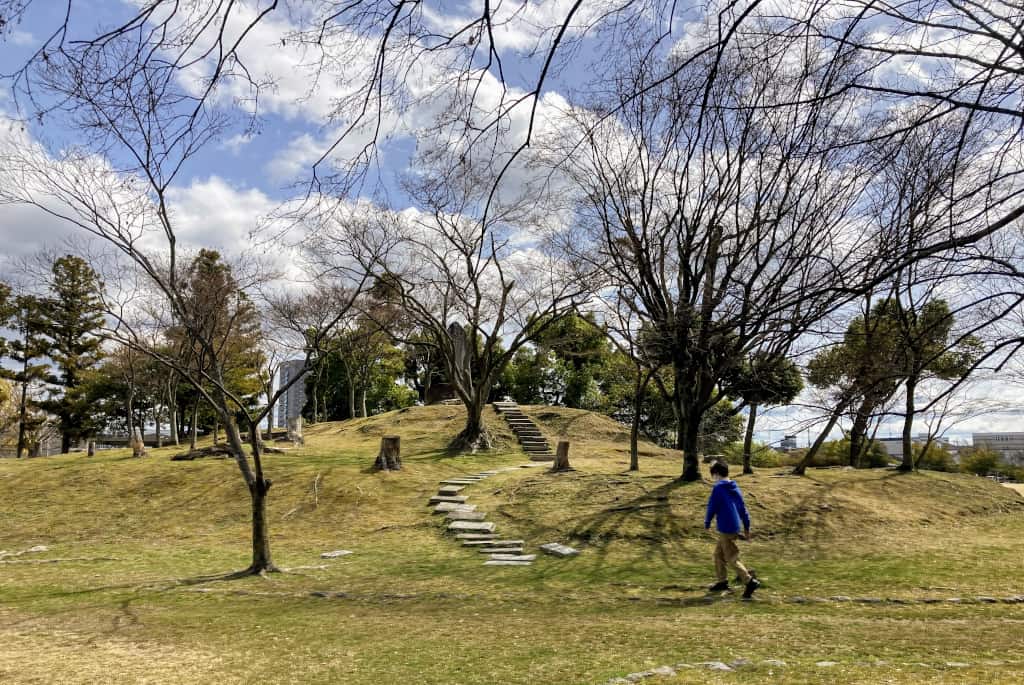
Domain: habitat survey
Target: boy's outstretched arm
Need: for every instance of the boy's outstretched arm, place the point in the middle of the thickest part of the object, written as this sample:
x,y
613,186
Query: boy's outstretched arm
x,y
741,507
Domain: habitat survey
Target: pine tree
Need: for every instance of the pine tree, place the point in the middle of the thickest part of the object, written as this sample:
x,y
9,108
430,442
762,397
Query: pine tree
x,y
27,350
72,316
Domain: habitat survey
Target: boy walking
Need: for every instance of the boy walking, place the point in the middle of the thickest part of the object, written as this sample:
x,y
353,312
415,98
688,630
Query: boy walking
x,y
726,505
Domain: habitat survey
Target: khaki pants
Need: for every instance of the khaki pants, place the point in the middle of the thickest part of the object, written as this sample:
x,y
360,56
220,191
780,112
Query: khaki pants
x,y
728,554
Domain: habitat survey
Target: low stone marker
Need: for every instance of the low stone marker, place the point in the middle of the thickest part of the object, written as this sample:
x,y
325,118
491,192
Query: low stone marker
x,y
295,431
335,554
559,550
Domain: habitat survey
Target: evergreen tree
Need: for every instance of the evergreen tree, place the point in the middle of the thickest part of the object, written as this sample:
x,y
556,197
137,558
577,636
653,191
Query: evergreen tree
x,y
71,319
27,351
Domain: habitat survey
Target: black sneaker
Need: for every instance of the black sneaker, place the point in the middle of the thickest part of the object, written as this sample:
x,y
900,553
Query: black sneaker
x,y
720,586
752,585
752,572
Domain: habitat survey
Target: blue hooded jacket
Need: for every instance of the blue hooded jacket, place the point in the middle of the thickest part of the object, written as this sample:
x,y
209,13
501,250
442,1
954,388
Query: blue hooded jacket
x,y
726,504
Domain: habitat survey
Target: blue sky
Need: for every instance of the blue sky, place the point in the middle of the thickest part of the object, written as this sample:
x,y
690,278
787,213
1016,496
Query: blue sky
x,y
231,184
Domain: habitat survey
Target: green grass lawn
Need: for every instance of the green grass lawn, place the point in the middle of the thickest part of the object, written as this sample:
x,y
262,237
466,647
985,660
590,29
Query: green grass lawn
x,y
130,603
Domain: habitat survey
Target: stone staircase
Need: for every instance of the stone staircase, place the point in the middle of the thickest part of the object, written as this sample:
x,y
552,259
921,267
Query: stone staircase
x,y
471,527
533,441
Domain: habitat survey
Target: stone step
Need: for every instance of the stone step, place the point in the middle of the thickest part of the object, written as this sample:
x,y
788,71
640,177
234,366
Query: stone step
x,y
503,562
534,448
461,481
533,466
559,550
450,489
513,557
533,441
471,527
481,537
457,499
465,516
445,507
542,457
528,432
518,420
492,543
501,550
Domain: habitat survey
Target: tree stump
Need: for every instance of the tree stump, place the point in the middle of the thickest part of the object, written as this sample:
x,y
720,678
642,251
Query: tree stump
x,y
562,457
390,457
295,431
137,443
90,448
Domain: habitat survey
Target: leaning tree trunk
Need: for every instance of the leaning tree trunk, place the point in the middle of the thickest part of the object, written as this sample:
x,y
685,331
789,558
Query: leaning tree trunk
x,y
907,464
362,402
561,457
801,468
258,489
748,438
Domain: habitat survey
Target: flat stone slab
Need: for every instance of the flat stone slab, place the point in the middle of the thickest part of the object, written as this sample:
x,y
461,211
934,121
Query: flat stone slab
x,y
503,556
506,562
471,527
457,499
493,542
335,554
542,457
501,550
450,489
445,507
461,481
556,549
465,516
479,537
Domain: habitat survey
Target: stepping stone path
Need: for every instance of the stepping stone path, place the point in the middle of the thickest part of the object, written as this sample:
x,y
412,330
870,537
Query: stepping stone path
x,y
471,527
533,441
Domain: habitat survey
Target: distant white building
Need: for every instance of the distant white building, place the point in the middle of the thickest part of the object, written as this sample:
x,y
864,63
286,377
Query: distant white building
x,y
290,404
894,446
788,443
1010,445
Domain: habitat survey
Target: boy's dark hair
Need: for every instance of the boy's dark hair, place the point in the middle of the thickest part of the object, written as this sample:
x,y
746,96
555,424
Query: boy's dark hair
x,y
720,468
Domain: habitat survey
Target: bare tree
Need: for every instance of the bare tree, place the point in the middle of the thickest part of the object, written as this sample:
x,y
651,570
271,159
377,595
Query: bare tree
x,y
722,222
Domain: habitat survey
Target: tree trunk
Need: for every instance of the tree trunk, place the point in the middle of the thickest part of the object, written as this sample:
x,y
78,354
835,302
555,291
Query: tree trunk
x,y
90,448
561,457
474,435
801,468
137,443
748,438
857,432
23,416
193,429
390,456
907,464
65,442
362,402
216,431
172,420
634,427
156,421
687,426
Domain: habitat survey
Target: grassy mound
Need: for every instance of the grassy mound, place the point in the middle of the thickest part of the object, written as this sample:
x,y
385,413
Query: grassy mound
x,y
124,585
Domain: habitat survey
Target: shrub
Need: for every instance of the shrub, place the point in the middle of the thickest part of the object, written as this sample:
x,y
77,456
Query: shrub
x,y
980,461
936,458
761,455
837,453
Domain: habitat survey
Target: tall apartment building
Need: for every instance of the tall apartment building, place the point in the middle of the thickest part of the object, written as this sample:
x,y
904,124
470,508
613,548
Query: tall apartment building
x,y
290,404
